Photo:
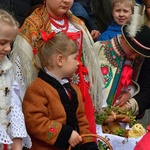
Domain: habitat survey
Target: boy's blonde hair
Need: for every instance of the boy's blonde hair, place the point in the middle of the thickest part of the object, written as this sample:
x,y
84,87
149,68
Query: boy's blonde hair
x,y
8,18
131,2
59,44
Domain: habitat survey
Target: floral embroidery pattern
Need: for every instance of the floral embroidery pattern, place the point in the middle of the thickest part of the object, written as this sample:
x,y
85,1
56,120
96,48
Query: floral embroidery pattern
x,y
75,79
114,55
52,130
86,78
107,74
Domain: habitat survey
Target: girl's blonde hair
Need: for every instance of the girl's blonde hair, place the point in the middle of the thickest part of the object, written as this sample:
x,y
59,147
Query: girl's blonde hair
x,y
59,44
131,2
8,18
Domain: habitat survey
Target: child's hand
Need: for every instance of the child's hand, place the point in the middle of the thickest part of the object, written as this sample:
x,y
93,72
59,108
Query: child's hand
x,y
95,34
122,99
125,120
75,139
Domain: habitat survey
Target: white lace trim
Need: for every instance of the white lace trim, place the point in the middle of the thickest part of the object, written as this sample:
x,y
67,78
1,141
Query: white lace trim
x,y
4,138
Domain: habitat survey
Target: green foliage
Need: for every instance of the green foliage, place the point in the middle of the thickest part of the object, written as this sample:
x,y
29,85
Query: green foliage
x,y
100,118
120,132
102,145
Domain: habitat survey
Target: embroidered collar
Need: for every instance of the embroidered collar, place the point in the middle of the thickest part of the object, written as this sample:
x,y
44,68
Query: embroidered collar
x,y
115,42
113,52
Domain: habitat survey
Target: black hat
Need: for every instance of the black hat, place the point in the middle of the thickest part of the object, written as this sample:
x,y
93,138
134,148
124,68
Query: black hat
x,y
140,42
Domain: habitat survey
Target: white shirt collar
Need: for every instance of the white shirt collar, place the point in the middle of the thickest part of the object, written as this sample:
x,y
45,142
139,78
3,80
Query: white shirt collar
x,y
63,81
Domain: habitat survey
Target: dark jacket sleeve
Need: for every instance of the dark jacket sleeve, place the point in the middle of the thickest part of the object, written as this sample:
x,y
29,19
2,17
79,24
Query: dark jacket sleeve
x,y
91,23
143,97
87,6
102,13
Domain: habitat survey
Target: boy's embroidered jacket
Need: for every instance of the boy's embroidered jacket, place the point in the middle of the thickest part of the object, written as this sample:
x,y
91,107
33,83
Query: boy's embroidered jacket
x,y
111,62
46,115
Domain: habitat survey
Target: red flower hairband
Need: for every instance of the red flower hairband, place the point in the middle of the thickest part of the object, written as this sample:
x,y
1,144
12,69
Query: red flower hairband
x,y
46,36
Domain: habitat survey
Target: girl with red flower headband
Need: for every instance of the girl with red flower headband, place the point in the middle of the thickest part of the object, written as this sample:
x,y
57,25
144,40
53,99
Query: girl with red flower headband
x,y
55,16
53,106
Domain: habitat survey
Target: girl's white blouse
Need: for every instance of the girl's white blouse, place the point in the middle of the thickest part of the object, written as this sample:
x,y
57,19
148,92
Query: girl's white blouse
x,y
12,124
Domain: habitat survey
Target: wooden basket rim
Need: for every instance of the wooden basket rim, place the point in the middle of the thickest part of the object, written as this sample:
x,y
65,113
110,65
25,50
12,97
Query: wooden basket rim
x,y
98,136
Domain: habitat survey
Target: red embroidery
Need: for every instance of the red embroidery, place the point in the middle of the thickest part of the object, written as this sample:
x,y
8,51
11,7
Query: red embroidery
x,y
52,130
104,70
34,50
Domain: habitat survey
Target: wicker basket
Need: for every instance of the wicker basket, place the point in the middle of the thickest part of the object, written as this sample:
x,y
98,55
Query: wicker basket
x,y
97,136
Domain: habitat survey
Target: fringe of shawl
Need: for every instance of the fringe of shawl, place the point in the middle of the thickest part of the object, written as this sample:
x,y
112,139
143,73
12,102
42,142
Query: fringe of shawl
x,y
91,62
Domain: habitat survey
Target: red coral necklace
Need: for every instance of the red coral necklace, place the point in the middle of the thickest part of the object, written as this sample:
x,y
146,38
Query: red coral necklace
x,y
59,26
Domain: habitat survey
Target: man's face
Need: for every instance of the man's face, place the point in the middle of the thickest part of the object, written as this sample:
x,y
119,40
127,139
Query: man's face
x,y
131,54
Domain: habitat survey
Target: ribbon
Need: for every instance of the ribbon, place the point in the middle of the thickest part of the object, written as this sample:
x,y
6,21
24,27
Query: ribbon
x,y
83,85
73,36
126,75
5,147
88,105
46,36
125,80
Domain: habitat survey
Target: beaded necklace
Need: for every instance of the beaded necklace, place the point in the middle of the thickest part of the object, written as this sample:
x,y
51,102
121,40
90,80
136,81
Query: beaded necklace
x,y
59,26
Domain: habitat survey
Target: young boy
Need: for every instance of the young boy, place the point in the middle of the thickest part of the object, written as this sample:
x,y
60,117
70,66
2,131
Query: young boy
x,y
121,13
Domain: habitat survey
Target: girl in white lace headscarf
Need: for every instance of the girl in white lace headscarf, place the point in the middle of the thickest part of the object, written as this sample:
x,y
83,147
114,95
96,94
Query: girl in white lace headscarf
x,y
12,126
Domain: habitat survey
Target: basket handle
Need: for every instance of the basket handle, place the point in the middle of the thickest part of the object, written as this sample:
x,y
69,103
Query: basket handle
x,y
97,136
